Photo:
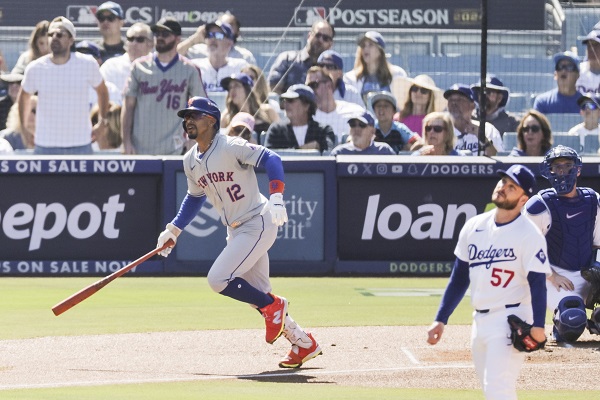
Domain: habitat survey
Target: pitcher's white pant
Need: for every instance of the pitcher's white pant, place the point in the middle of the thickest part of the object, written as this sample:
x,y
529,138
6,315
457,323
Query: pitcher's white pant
x,y
497,362
245,255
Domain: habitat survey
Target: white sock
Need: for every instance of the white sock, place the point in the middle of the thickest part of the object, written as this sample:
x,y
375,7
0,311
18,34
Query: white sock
x,y
295,334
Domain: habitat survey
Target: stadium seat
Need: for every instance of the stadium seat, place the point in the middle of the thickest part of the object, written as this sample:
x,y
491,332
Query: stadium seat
x,y
509,140
565,139
563,122
591,144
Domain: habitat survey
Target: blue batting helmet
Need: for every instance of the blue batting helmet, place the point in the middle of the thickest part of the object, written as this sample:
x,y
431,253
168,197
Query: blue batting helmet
x,y
204,106
563,183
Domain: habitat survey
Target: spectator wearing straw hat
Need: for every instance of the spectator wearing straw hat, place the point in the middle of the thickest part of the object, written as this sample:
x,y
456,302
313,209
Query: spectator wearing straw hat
x,y
496,99
421,100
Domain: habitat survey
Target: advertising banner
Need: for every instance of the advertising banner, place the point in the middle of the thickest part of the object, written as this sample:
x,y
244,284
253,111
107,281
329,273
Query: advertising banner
x,y
77,216
411,14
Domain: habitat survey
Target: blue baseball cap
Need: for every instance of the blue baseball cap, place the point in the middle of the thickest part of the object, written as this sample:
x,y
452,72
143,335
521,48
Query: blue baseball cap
x,y
588,98
87,47
111,7
365,117
224,27
522,177
331,57
459,88
300,91
374,36
566,55
244,79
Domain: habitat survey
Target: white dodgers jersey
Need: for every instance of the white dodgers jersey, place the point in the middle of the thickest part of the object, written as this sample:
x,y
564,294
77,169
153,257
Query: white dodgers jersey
x,y
500,257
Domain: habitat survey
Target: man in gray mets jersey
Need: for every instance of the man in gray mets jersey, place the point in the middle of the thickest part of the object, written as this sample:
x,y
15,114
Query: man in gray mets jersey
x,y
221,168
159,83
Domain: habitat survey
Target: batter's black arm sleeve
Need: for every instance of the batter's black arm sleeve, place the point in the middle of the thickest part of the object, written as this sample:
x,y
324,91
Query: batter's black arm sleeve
x,y
537,287
455,291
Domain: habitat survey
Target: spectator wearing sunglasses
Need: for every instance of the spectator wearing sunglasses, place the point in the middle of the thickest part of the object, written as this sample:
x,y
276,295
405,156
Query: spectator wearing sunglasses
x,y
563,99
116,69
290,67
438,136
589,78
218,65
372,72
422,98
159,83
194,46
534,136
495,102
362,138
110,21
300,131
396,134
589,105
461,104
332,61
330,111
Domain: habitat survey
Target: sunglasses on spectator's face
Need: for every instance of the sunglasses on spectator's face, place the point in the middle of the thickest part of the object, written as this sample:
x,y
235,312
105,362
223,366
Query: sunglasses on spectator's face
x,y
589,106
215,35
323,37
332,67
315,84
532,128
57,34
109,18
137,39
435,128
162,34
357,124
566,67
416,89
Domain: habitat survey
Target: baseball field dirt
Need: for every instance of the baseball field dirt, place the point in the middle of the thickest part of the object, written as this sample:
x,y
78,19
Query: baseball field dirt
x,y
380,356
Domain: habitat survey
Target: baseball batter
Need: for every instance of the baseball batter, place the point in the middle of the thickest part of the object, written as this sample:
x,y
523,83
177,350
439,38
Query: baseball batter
x,y
568,216
221,168
502,255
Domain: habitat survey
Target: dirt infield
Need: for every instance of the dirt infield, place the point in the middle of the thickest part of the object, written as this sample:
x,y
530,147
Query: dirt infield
x,y
352,356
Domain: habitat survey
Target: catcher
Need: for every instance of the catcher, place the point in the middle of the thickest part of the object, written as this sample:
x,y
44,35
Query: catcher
x,y
567,215
502,255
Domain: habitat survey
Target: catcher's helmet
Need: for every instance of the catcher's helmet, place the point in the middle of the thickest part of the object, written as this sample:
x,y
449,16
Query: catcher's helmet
x,y
203,105
565,182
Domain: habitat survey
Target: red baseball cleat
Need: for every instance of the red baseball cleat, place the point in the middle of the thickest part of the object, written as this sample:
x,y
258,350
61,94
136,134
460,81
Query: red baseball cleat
x,y
274,315
298,355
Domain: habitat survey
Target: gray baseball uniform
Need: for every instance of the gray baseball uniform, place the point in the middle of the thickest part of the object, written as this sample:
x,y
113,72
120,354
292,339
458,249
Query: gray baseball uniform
x,y
161,90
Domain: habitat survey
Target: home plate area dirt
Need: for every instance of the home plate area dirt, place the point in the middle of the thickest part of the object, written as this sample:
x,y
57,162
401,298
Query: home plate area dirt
x,y
380,356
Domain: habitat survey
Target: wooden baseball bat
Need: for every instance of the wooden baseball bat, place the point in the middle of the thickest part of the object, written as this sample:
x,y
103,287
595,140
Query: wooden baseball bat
x,y
86,292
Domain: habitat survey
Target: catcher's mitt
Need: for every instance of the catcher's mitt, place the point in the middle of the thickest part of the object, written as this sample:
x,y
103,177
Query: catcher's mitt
x,y
520,335
592,275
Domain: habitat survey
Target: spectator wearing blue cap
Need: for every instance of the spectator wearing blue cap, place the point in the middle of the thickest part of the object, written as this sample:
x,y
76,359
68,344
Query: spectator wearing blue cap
x,y
372,72
589,78
461,105
218,65
194,46
110,18
497,96
301,131
562,99
589,105
291,66
362,138
332,61
241,98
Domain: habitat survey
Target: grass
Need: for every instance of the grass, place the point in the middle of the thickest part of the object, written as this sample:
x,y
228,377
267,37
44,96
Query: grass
x,y
171,304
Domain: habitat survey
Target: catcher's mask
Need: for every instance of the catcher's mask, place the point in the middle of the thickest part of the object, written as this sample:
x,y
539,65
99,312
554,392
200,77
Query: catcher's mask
x,y
562,177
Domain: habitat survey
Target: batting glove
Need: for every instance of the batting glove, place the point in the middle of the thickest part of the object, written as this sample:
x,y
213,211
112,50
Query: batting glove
x,y
171,232
277,208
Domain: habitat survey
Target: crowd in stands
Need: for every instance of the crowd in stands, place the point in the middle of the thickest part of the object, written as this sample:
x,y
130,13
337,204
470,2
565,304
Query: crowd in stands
x,y
120,94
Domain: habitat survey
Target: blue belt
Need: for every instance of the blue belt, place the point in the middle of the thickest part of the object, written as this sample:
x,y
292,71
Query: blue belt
x,y
506,306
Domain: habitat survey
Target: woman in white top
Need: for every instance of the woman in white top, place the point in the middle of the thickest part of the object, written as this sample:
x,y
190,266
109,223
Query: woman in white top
x,y
372,72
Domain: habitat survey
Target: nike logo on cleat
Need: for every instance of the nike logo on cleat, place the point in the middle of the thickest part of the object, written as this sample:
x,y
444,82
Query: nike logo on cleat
x,y
569,216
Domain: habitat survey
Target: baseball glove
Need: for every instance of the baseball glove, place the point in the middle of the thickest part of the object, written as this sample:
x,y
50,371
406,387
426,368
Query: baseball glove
x,y
592,275
520,335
